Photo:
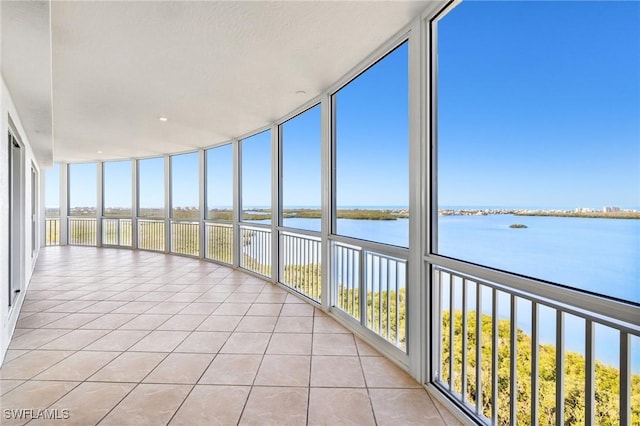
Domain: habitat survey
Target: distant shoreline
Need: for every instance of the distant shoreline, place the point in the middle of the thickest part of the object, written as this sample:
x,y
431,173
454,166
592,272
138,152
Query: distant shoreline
x,y
355,213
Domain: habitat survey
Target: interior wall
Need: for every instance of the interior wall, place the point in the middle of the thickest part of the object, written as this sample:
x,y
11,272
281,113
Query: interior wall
x,y
9,315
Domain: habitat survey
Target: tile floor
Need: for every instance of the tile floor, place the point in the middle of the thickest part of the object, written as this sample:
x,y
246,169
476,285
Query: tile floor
x,y
116,337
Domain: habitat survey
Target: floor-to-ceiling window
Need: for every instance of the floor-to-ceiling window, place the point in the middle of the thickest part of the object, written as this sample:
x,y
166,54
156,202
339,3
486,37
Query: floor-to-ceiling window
x,y
219,203
116,206
536,181
82,196
301,194
185,204
371,195
255,202
151,204
52,206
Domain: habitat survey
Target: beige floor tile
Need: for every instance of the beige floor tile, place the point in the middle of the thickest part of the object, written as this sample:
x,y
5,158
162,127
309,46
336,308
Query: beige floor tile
x,y
145,322
232,309
294,324
78,367
135,307
103,307
160,341
168,308
290,344
8,385
182,322
365,350
212,405
70,306
75,340
35,338
154,296
246,343
74,320
334,344
268,297
183,297
180,368
148,404
242,298
39,319
265,309
109,321
336,371
128,367
382,373
117,340
44,305
89,402
404,407
276,406
14,353
449,419
297,310
232,370
292,298
31,364
220,323
33,395
206,342
212,297
327,325
257,324
284,370
331,406
199,308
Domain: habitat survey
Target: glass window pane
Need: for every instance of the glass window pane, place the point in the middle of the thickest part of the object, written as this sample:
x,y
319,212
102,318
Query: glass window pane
x,y
220,182
52,191
82,189
256,178
117,188
301,175
151,187
372,152
537,133
185,201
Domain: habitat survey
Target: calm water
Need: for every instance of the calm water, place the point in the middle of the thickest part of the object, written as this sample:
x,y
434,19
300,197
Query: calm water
x,y
598,255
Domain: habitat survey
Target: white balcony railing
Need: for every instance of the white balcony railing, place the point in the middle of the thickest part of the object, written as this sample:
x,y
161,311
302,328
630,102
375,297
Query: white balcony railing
x,y
82,231
116,231
509,357
301,263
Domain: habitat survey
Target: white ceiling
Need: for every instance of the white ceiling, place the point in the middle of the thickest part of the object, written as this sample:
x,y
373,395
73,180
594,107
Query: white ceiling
x,y
26,68
217,70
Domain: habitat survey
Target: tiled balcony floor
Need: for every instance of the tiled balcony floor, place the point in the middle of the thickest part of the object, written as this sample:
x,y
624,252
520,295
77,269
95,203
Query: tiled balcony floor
x,y
127,337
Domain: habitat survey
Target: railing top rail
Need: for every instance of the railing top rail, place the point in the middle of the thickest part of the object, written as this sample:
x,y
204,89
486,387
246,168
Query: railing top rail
x,y
186,221
150,219
81,218
300,233
622,317
371,246
216,222
255,226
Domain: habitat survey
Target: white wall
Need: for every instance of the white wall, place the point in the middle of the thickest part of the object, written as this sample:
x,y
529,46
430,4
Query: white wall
x,y
8,317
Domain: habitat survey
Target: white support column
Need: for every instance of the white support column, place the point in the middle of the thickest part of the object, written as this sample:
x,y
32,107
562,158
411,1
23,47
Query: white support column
x,y
99,201
167,204
416,290
134,203
326,112
64,204
275,202
202,178
42,208
237,202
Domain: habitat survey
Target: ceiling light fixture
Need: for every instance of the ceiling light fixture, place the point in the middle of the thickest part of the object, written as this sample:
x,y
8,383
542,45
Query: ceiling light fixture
x,y
301,92
163,119
99,151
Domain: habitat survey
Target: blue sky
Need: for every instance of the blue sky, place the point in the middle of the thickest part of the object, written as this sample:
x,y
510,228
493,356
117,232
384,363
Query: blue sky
x,y
538,105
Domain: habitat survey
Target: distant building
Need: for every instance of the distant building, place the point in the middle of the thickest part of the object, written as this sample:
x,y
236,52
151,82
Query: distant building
x,y
610,209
